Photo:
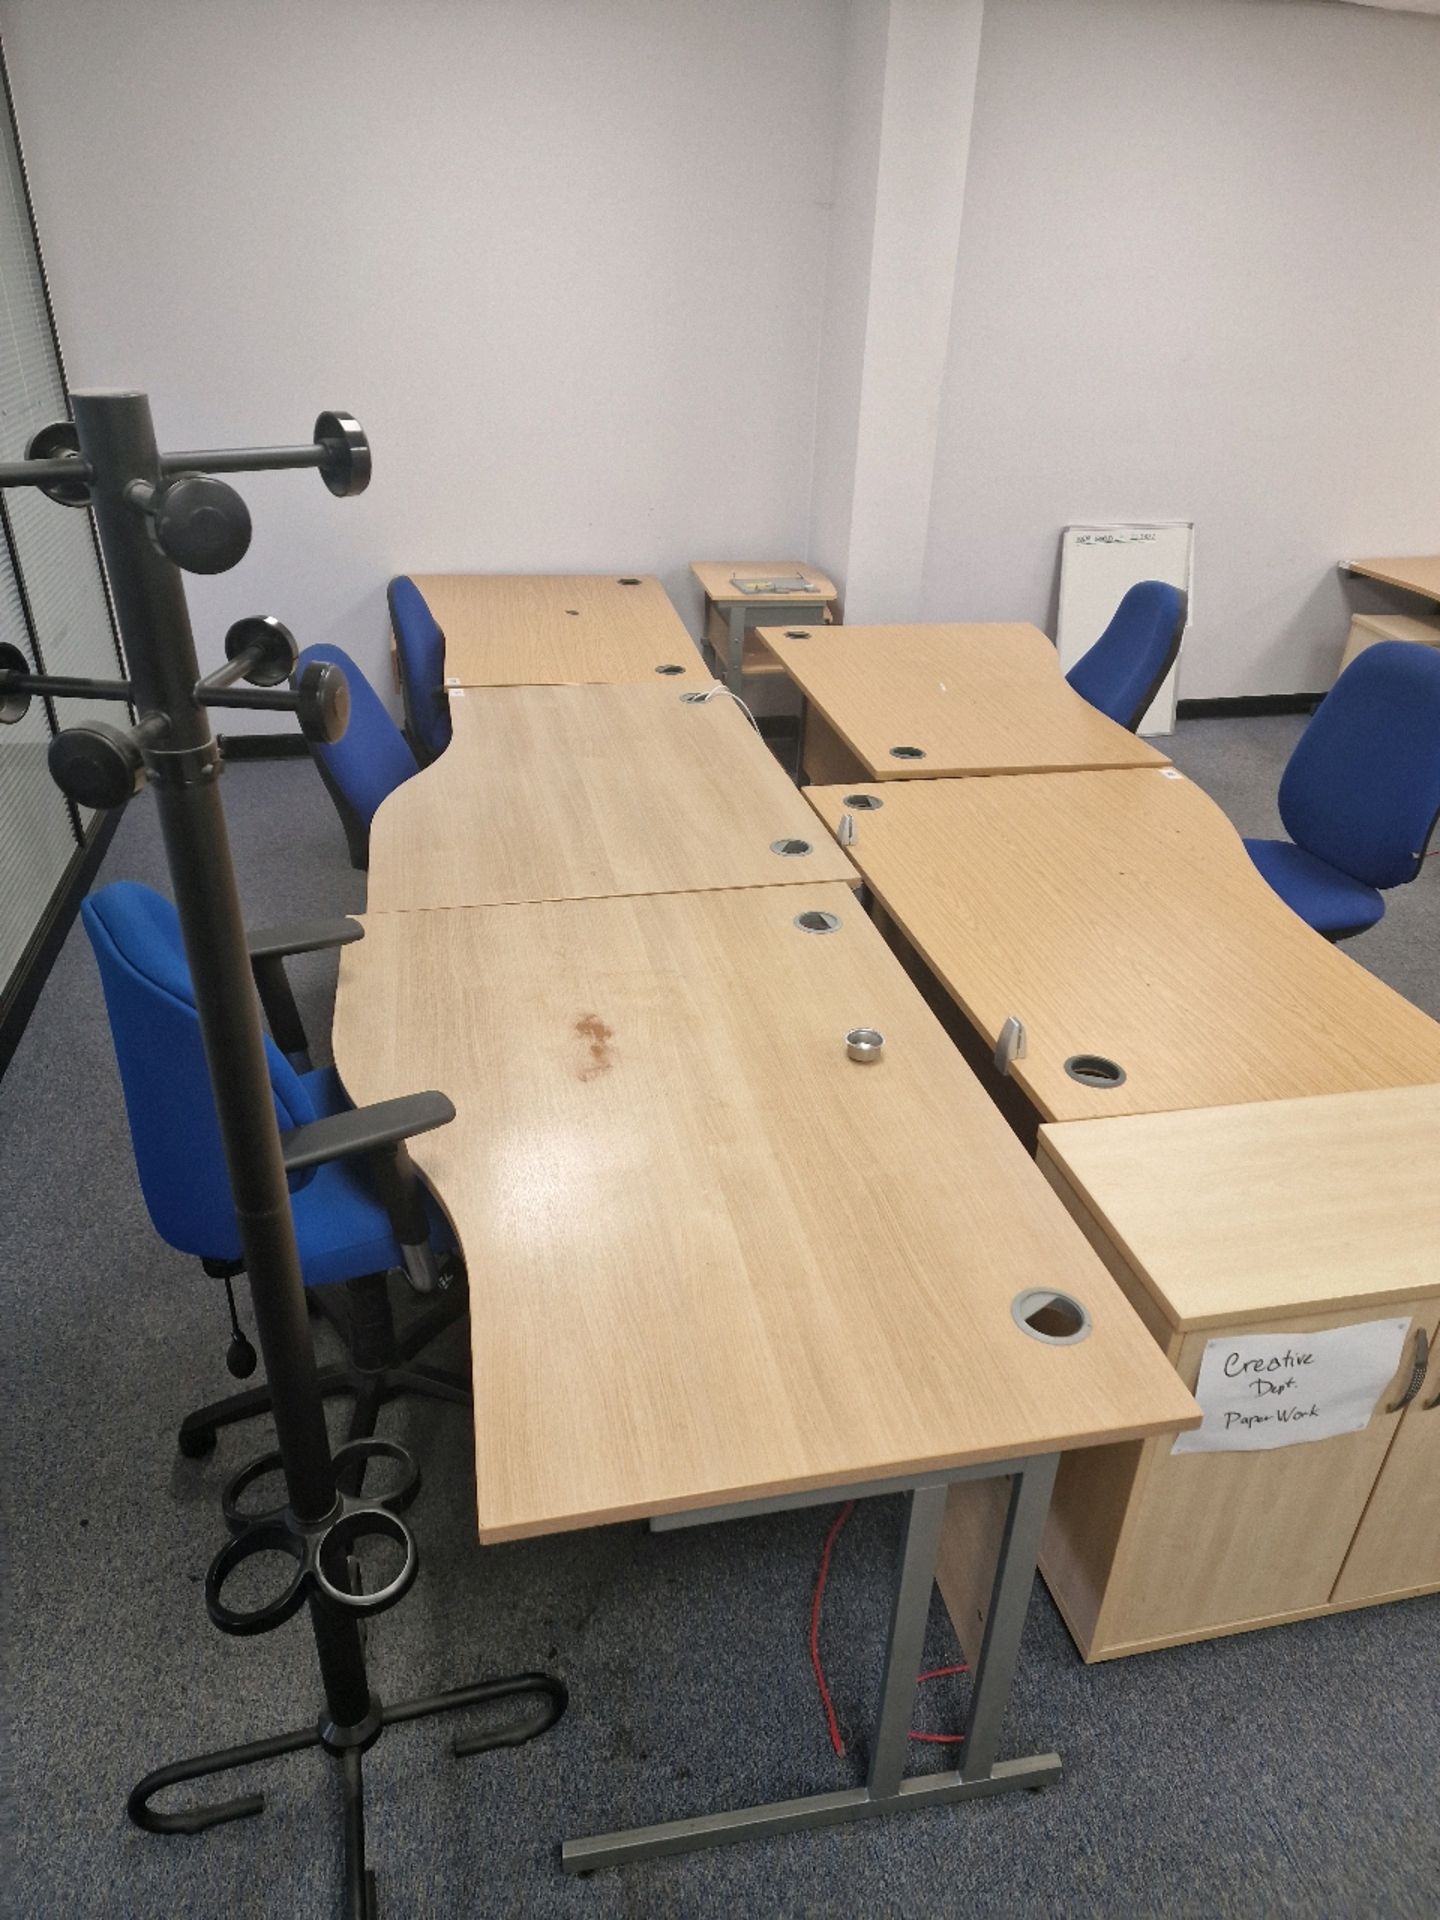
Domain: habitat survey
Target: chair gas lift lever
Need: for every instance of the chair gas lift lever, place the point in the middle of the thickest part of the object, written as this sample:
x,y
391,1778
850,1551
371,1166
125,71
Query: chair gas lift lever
x,y
158,516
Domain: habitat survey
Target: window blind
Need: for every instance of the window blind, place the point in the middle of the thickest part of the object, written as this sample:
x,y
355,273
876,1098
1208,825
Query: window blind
x,y
54,547
37,839
53,605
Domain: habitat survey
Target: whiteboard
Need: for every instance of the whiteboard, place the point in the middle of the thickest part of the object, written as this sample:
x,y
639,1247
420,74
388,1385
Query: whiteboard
x,y
1098,564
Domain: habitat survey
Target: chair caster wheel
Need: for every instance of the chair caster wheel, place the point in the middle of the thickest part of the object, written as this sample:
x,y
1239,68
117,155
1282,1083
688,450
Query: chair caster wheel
x,y
196,1442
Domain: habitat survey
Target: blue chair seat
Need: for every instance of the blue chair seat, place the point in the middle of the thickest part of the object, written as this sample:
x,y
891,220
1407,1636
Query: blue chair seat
x,y
1360,795
1123,671
420,649
369,760
1331,901
341,1229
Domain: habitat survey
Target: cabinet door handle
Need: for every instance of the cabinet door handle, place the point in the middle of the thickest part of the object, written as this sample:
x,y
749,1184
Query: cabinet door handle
x,y
1417,1373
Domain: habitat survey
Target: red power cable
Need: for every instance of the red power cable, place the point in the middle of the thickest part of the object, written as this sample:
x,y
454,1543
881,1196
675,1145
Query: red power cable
x,y
824,1574
817,1599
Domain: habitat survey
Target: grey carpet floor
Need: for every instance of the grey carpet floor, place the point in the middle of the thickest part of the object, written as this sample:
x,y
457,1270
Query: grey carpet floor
x,y
1292,1772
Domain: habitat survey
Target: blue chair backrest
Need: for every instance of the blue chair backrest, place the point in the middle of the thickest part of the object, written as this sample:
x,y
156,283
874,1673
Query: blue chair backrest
x,y
1122,672
371,758
135,934
1362,788
420,645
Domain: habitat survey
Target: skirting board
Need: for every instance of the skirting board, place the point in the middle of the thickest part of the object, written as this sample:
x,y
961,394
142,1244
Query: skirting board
x,y
1244,704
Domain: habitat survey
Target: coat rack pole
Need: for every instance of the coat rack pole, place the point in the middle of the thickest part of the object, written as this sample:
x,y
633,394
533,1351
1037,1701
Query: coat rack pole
x,y
117,439
108,460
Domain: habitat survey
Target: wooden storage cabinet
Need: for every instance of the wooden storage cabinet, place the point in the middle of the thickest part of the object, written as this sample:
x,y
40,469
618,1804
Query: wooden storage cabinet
x,y
1146,1548
1290,1216
1396,1551
1368,628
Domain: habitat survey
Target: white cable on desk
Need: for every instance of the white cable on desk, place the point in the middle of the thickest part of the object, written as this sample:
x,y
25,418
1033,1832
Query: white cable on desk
x,y
703,699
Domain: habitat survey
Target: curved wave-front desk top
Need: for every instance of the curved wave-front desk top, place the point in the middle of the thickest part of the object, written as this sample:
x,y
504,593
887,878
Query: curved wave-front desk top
x,y
563,793
1414,573
711,1256
973,699
558,629
1118,914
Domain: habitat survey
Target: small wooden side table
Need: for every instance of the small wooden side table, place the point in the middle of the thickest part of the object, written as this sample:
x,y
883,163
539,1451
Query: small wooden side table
x,y
740,595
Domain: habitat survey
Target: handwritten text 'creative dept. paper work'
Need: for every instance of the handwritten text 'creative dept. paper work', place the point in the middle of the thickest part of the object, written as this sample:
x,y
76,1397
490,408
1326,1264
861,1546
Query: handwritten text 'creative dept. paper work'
x,y
1261,1390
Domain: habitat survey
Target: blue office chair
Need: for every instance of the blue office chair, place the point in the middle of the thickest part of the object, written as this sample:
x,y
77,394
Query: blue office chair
x,y
358,1206
420,649
1122,673
1360,794
367,762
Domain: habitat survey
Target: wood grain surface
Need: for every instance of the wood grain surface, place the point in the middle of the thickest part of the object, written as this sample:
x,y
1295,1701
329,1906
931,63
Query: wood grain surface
x,y
1118,914
711,1257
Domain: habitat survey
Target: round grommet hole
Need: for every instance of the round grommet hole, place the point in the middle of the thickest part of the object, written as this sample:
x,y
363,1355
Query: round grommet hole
x,y
670,667
865,1044
791,849
907,753
694,698
797,633
863,802
1094,1070
574,612
630,581
1056,1318
817,920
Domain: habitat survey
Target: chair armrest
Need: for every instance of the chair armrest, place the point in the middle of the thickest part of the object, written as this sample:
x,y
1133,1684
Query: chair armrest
x,y
364,1130
300,936
268,948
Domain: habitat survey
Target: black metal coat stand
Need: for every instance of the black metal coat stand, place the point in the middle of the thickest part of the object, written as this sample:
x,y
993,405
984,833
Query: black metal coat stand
x,y
156,514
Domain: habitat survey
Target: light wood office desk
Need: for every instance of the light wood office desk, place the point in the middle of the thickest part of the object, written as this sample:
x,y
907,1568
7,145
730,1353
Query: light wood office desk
x,y
1118,915
710,1273
544,629
1412,573
921,702
560,793
730,611
1284,1217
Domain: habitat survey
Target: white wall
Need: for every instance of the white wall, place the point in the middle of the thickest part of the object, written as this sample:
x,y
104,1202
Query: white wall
x,y
929,99
901,148
1199,275
569,261
847,282
512,236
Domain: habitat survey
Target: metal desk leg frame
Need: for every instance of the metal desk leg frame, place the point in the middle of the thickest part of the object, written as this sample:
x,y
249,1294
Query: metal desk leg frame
x,y
737,618
740,614
888,1790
